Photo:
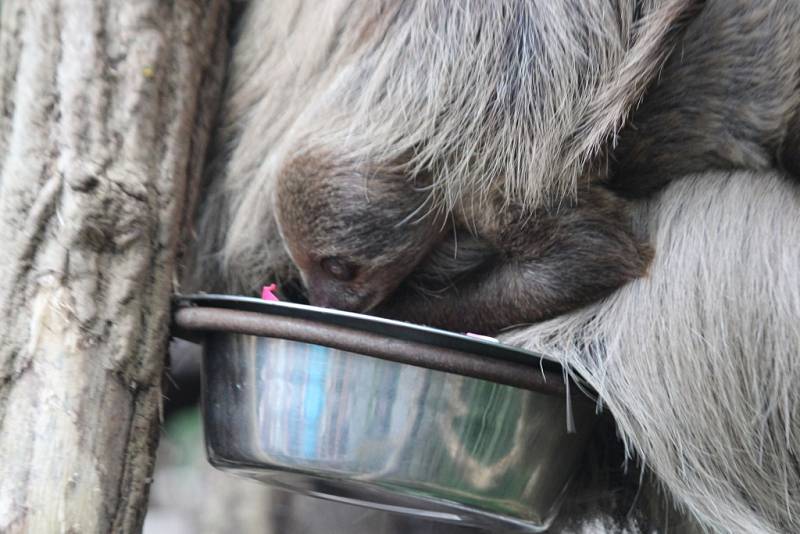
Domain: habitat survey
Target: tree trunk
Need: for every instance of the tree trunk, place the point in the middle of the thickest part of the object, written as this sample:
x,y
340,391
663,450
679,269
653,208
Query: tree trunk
x,y
105,108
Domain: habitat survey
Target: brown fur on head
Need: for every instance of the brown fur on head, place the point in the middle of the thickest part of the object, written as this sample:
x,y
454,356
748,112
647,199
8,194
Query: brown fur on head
x,y
354,235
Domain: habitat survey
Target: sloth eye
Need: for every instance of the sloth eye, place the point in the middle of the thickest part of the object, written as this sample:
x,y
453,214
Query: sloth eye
x,y
339,269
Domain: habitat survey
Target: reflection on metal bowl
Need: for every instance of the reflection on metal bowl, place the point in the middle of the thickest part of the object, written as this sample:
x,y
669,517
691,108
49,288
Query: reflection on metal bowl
x,y
390,435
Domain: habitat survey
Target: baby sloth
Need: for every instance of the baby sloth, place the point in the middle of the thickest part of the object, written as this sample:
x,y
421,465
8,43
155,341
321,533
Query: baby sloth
x,y
368,241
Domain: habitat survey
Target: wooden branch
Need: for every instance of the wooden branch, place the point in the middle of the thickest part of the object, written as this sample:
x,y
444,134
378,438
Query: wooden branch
x,y
105,108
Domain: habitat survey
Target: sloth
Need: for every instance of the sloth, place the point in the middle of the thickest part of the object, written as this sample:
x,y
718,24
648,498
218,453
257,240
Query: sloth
x,y
355,238
619,176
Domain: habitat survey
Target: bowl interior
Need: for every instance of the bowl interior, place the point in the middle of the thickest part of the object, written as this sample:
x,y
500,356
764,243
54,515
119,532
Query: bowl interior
x,y
364,430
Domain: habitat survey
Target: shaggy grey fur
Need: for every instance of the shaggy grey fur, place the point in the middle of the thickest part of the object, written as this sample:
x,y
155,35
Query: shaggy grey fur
x,y
487,94
700,361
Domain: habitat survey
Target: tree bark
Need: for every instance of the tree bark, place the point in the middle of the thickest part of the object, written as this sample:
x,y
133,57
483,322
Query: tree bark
x,y
105,109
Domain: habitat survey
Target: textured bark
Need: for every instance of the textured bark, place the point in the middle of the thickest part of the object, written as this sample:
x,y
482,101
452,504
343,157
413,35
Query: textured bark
x,y
105,108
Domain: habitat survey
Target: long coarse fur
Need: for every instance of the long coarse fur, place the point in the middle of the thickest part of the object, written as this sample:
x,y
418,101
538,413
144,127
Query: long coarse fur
x,y
481,95
700,361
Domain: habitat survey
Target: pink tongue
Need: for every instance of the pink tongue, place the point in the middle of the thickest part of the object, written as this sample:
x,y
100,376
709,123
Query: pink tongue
x,y
266,292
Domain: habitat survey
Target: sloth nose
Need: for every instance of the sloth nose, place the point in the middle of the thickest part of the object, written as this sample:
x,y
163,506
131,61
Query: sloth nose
x,y
326,296
322,300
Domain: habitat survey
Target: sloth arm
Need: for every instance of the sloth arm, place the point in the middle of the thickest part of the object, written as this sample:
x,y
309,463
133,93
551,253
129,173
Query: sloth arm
x,y
543,266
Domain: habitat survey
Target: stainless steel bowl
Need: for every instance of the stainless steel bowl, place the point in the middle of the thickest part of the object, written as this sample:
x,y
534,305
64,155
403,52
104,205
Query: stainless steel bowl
x,y
385,414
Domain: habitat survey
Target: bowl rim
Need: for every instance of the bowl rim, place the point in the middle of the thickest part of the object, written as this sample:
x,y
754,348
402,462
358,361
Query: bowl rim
x,y
388,339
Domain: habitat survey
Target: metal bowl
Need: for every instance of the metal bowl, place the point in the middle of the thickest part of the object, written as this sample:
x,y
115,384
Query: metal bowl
x,y
385,414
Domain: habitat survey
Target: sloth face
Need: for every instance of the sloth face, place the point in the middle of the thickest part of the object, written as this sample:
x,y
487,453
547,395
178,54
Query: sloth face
x,y
353,236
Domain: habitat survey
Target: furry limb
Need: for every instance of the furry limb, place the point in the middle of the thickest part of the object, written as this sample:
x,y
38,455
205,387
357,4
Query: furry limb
x,y
699,361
